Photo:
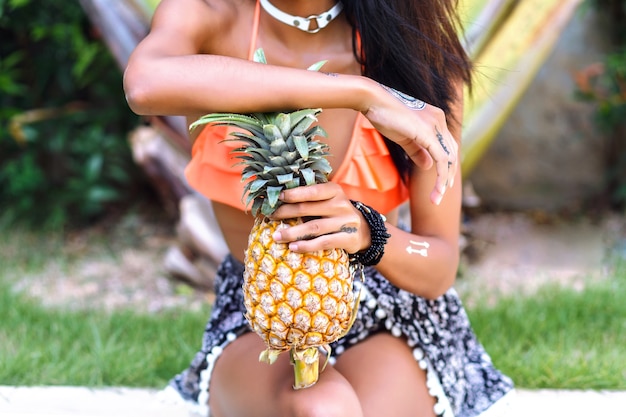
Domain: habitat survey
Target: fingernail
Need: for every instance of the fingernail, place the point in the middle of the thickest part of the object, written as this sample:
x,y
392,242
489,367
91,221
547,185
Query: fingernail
x,y
281,196
277,236
451,182
438,199
293,247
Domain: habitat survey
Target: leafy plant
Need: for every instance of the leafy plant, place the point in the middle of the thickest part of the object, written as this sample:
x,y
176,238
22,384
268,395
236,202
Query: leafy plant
x,y
64,158
604,83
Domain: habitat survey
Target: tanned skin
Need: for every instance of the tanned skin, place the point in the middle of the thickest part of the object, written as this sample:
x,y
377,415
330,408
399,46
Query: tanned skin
x,y
193,62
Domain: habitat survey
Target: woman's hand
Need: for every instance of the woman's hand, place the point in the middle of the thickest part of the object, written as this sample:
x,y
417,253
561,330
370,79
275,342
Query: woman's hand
x,y
421,130
335,222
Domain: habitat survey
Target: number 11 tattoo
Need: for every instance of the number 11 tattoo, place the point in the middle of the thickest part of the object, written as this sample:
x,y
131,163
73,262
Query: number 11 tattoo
x,y
423,252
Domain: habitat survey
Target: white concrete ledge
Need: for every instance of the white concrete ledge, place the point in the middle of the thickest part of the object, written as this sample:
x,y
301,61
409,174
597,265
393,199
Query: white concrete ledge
x,y
122,402
85,402
550,403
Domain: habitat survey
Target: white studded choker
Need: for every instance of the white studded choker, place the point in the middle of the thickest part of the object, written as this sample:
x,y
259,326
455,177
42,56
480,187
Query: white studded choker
x,y
303,23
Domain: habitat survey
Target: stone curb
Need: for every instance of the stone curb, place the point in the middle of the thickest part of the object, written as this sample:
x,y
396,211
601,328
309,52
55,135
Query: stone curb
x,y
135,402
85,402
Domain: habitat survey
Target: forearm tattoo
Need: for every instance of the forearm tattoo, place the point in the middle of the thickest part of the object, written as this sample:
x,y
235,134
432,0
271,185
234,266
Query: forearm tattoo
x,y
407,100
423,252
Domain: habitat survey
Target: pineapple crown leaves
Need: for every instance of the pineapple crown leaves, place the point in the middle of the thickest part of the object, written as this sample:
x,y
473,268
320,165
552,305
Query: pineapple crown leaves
x,y
278,150
285,160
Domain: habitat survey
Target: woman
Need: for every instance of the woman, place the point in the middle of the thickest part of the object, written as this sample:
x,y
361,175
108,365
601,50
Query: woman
x,y
411,351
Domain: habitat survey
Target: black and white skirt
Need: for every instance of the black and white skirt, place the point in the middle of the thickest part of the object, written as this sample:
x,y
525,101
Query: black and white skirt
x,y
460,374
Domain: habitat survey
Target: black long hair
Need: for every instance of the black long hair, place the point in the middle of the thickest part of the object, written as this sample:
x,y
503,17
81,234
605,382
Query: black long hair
x,y
412,46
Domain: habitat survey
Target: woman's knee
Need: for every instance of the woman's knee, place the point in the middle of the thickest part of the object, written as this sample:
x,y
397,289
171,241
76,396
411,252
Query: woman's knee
x,y
323,410
335,407
334,398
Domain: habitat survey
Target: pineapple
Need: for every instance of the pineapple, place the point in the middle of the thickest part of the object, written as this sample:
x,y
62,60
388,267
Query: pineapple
x,y
295,302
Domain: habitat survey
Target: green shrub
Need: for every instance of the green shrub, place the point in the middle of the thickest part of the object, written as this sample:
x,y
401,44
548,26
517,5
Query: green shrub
x,y
64,157
604,84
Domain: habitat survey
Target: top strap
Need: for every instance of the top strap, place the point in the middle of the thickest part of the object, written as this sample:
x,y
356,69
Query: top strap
x,y
255,30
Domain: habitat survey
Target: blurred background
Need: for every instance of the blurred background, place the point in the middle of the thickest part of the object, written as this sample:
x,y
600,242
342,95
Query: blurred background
x,y
95,211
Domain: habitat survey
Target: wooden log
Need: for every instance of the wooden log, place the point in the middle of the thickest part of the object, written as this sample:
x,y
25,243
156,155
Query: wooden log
x,y
201,246
199,230
164,165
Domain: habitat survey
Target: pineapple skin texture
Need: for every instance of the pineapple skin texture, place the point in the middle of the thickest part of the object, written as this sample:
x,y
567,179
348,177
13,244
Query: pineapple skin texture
x,y
295,300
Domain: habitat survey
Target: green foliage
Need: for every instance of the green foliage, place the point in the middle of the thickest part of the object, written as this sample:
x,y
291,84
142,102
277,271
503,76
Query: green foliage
x,y
604,84
64,157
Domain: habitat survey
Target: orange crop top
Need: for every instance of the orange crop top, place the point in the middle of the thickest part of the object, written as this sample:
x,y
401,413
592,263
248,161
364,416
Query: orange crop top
x,y
367,173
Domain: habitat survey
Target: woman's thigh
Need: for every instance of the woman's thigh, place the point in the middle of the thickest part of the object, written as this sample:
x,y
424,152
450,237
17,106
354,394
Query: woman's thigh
x,y
386,378
241,386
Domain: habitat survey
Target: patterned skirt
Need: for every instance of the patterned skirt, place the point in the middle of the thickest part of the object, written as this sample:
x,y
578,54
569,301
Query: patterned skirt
x,y
460,374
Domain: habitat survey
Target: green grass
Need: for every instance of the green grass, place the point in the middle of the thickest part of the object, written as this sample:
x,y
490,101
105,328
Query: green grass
x,y
41,346
556,338
62,346
559,337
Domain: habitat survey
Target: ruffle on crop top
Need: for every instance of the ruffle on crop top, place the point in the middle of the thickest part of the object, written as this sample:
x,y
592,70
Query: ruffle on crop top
x,y
367,173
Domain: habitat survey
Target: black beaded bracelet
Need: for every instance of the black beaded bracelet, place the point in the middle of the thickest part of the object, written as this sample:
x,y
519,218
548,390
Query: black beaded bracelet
x,y
376,221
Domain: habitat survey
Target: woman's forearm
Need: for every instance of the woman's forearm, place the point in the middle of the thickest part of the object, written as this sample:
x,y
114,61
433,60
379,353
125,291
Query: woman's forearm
x,y
425,266
198,84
